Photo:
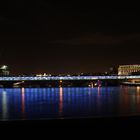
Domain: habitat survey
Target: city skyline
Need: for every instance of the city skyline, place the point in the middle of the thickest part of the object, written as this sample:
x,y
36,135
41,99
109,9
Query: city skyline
x,y
56,37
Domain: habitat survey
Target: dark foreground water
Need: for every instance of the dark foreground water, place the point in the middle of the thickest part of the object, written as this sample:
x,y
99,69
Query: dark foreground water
x,y
46,103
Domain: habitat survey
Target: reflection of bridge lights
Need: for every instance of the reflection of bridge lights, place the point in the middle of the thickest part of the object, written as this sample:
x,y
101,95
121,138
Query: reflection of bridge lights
x,y
138,89
23,100
4,105
98,90
60,100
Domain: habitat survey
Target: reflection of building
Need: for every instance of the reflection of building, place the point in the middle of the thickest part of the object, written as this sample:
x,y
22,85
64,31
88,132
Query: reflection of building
x,y
128,69
4,70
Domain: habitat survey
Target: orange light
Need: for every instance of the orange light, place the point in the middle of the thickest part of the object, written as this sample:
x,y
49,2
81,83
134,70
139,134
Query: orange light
x,y
61,100
23,101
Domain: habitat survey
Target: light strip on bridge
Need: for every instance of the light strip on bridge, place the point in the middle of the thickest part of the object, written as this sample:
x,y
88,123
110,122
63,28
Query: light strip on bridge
x,y
30,78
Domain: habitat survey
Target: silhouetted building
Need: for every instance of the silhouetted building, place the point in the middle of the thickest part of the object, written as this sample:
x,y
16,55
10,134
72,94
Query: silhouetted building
x,y
4,70
128,69
113,70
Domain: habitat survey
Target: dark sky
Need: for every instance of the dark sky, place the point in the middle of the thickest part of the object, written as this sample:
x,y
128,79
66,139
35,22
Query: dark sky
x,y
58,37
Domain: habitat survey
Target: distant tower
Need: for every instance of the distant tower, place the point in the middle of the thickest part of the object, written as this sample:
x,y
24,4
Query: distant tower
x,y
4,70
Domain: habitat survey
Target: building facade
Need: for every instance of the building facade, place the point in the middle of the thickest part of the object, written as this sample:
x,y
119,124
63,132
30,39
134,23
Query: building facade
x,y
128,69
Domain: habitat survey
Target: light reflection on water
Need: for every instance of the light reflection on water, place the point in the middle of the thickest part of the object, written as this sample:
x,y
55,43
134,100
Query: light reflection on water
x,y
4,105
61,101
23,101
38,103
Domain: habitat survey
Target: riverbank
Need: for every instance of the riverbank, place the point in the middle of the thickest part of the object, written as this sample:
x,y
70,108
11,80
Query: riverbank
x,y
130,84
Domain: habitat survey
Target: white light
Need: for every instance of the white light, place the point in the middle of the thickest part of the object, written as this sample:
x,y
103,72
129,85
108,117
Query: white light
x,y
4,67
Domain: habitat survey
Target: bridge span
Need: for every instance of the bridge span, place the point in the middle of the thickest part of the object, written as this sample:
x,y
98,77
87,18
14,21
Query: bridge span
x,y
51,78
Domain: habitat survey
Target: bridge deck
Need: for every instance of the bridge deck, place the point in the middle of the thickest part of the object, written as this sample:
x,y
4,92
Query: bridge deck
x,y
36,78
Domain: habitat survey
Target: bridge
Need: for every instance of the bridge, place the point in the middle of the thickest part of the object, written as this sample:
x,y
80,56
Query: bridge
x,y
52,78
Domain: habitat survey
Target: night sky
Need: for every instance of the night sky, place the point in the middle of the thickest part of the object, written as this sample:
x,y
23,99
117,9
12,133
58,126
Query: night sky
x,y
58,37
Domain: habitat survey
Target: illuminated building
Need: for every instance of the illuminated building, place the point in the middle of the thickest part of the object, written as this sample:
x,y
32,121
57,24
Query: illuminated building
x,y
4,70
128,69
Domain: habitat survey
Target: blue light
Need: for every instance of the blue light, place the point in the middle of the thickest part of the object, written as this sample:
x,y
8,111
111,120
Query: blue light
x,y
29,78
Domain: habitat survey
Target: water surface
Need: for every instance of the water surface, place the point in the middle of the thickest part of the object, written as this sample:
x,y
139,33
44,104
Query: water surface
x,y
49,103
